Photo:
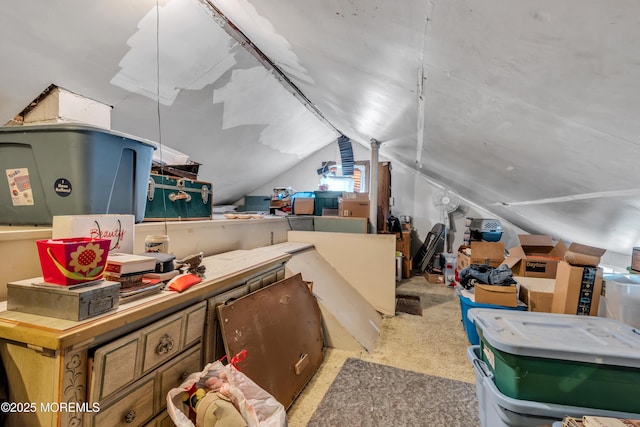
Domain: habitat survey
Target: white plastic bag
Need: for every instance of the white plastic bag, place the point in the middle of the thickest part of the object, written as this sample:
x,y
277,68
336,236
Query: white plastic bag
x,y
257,407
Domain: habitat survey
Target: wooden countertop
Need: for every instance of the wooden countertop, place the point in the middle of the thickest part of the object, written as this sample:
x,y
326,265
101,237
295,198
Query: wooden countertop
x,y
222,272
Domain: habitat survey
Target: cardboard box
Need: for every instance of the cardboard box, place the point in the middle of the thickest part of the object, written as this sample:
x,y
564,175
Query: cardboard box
x,y
578,287
354,205
577,290
537,293
434,278
62,106
506,296
303,205
489,253
537,256
360,197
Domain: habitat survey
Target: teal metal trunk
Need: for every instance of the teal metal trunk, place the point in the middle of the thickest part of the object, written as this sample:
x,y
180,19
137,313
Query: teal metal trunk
x,y
178,199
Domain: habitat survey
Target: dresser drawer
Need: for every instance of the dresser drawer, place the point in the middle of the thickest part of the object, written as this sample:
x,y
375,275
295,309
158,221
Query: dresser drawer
x,y
254,284
194,324
161,342
115,366
162,420
269,278
134,407
121,362
213,344
176,371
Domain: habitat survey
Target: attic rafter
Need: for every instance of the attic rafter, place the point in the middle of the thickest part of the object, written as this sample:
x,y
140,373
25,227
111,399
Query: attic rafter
x,y
233,31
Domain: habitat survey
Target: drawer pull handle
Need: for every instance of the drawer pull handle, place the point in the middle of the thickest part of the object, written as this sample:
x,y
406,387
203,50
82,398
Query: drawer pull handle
x,y
130,417
184,376
165,345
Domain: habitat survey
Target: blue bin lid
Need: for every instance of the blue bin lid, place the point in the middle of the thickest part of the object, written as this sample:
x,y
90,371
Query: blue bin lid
x,y
577,338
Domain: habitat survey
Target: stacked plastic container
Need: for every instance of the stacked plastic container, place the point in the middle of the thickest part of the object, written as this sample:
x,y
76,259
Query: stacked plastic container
x,y
467,303
535,368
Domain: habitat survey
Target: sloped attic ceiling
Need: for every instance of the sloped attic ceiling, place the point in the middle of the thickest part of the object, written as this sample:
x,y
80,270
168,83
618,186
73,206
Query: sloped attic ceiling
x,y
217,102
525,108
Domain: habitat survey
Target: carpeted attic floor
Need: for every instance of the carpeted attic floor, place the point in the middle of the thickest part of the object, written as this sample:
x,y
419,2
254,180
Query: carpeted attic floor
x,y
434,344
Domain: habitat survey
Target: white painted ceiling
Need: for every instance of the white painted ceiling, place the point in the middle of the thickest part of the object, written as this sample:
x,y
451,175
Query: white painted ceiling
x,y
529,109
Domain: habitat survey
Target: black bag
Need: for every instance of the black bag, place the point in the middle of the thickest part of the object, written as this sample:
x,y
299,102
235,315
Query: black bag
x,y
483,274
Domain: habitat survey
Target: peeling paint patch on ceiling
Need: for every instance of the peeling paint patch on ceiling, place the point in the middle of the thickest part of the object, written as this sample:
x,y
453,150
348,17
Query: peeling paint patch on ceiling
x,y
245,98
272,44
193,52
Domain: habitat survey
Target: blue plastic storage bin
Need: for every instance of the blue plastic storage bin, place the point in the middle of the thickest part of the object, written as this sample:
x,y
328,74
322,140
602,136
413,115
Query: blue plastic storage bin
x,y
469,326
305,194
72,169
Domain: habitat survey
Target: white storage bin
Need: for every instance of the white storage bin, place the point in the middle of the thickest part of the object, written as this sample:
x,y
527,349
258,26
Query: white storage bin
x,y
622,293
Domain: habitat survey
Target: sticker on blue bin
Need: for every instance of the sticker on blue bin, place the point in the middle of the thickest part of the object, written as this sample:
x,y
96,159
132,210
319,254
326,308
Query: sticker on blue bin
x,y
20,186
62,187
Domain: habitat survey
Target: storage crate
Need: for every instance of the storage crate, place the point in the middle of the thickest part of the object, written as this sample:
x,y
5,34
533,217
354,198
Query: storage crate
x,y
497,410
326,200
469,327
71,170
563,359
622,292
178,199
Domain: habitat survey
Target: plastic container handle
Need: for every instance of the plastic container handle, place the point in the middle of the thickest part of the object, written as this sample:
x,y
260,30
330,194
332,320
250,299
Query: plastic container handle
x,y
483,368
481,321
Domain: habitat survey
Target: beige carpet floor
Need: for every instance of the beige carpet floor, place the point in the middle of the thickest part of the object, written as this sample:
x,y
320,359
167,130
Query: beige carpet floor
x,y
434,343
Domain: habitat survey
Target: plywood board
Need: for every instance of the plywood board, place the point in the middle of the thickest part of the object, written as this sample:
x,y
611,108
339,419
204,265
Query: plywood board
x,y
350,311
366,261
335,334
280,328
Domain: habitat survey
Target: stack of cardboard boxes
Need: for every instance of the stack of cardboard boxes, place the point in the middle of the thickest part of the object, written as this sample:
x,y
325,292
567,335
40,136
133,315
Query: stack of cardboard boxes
x,y
557,279
534,263
349,205
552,277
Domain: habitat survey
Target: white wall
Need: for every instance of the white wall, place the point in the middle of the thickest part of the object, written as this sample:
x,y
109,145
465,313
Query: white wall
x,y
304,177
412,194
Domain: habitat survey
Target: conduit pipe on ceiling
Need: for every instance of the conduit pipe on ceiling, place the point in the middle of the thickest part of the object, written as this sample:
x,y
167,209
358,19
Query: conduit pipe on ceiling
x,y
373,186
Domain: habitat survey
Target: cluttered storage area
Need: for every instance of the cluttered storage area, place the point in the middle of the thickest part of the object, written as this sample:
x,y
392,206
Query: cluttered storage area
x,y
196,315
132,300
245,213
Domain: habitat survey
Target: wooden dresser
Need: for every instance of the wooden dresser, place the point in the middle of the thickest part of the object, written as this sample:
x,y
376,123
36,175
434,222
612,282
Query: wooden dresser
x,y
116,369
